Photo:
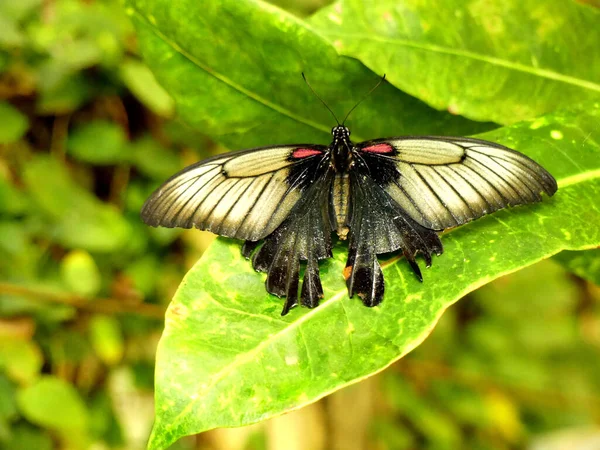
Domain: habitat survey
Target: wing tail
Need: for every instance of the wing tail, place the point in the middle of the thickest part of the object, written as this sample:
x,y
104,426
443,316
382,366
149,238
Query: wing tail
x,y
304,236
379,225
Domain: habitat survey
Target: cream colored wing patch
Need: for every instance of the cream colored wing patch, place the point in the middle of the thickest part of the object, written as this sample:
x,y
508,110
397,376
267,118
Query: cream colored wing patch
x,y
243,195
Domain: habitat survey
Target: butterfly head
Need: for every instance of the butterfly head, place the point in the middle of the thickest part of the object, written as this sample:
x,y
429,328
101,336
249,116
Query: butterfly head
x,y
340,148
340,133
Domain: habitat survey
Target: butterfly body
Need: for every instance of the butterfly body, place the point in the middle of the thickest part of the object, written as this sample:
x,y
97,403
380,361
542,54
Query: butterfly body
x,y
382,196
340,202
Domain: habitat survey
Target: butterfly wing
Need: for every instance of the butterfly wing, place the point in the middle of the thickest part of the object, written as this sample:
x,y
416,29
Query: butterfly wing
x,y
243,195
444,182
404,189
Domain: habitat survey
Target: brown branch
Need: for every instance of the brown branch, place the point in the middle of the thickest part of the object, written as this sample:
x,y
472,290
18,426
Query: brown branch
x,y
97,305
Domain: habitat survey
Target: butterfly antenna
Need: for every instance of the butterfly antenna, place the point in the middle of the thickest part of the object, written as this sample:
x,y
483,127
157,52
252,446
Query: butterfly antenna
x,y
322,101
363,99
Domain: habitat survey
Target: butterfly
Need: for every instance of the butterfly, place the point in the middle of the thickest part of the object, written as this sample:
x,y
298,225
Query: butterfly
x,y
382,195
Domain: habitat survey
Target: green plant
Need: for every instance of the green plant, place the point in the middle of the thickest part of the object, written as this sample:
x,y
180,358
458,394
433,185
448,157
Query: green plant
x,y
221,345
86,133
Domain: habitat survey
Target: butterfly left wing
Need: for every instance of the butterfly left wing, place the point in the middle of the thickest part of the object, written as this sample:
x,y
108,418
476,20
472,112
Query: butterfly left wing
x,y
404,189
280,194
242,195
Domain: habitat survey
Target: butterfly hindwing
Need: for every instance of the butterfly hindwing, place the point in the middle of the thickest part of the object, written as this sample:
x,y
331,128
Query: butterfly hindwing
x,y
305,235
243,195
379,225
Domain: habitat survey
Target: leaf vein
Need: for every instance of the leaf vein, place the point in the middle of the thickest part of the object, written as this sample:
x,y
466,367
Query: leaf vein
x,y
543,73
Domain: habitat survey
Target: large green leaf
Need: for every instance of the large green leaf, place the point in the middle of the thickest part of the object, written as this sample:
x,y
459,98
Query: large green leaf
x,y
233,68
227,358
503,60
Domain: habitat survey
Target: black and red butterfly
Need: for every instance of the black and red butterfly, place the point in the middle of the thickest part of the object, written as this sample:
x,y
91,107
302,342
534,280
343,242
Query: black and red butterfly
x,y
382,195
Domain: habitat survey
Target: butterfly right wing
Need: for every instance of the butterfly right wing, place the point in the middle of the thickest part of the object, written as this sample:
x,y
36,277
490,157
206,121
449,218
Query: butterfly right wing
x,y
243,195
443,182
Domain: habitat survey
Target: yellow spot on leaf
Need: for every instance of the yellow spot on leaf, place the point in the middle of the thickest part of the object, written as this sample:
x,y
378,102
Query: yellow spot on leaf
x,y
409,298
291,360
335,18
555,134
538,123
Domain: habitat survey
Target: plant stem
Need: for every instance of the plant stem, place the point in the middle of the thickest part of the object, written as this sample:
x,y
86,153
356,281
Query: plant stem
x,y
97,305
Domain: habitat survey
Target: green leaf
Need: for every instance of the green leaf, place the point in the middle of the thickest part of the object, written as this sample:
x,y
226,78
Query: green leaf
x,y
12,200
53,403
99,142
141,82
80,273
153,159
234,70
61,91
106,339
20,359
11,36
8,407
27,437
18,11
227,358
13,123
585,264
503,61
80,35
71,215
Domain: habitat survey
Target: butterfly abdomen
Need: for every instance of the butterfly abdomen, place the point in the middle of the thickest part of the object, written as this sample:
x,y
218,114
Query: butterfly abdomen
x,y
340,201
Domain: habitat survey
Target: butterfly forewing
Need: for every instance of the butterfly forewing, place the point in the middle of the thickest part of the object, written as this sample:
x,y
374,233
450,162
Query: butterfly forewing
x,y
444,182
243,195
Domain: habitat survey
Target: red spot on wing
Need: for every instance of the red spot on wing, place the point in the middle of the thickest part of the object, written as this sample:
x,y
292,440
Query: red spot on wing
x,y
305,152
379,148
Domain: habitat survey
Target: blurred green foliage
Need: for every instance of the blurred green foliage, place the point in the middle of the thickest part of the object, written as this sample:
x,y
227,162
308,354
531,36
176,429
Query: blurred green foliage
x,y
85,134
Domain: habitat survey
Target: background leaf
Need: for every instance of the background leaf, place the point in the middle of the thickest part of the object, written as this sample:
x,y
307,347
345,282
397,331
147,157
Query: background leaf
x,y
13,124
512,366
585,264
226,358
502,61
70,214
249,66
63,409
138,78
99,142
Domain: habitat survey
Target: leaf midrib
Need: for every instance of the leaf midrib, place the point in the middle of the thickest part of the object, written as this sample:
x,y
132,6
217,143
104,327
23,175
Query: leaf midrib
x,y
249,355
543,73
279,109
